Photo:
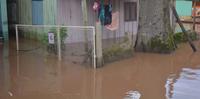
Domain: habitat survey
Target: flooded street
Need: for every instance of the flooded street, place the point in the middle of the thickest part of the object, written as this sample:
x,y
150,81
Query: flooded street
x,y
29,75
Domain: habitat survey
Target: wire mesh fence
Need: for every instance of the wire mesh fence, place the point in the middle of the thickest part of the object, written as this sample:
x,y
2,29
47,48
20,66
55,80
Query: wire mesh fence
x,y
117,47
74,44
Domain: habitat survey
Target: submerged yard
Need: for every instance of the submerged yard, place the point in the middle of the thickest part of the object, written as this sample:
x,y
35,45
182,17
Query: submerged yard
x,y
29,75
55,62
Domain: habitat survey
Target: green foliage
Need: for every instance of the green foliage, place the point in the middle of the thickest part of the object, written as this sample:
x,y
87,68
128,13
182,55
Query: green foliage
x,y
52,48
115,53
158,44
180,37
194,36
63,35
118,51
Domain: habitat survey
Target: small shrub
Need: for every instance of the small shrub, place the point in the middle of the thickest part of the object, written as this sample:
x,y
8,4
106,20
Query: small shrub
x,y
158,44
180,37
52,48
118,51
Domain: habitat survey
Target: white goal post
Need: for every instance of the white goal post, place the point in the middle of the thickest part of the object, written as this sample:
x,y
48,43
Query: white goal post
x,y
58,37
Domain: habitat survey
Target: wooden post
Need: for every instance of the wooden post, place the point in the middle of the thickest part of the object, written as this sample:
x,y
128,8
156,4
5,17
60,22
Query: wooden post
x,y
99,53
183,29
59,44
194,16
85,22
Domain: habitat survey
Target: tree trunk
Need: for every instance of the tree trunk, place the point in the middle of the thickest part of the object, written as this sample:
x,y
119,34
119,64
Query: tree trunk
x,y
154,26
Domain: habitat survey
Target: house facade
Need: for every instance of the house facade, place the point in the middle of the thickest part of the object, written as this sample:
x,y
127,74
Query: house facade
x,y
184,7
70,13
3,20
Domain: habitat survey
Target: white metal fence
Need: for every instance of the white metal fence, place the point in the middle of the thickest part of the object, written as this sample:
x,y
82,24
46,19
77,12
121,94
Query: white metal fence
x,y
33,32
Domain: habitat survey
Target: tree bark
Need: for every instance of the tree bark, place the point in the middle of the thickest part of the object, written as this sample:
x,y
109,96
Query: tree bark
x,y
154,21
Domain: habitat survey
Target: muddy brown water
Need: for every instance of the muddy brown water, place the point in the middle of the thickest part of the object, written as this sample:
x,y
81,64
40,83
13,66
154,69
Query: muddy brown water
x,y
155,76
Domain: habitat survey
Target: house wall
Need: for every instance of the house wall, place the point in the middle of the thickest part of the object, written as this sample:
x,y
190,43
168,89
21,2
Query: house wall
x,y
4,21
124,27
1,33
184,8
12,10
50,11
26,8
70,13
24,12
37,12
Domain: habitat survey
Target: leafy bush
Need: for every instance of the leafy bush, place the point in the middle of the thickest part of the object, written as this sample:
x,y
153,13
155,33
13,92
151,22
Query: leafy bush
x,y
118,51
180,37
52,48
158,44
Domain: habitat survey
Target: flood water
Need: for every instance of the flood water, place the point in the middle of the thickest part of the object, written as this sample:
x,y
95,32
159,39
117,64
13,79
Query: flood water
x,y
28,75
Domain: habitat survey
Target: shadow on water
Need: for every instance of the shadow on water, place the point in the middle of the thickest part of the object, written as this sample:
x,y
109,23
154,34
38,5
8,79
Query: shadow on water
x,y
152,76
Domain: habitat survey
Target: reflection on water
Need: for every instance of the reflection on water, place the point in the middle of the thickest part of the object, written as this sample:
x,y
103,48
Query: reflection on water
x,y
185,86
133,95
28,75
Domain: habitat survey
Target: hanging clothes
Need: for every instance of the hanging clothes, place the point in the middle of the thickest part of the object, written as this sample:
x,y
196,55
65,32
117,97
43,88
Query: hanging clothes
x,y
115,22
108,14
101,14
105,13
96,6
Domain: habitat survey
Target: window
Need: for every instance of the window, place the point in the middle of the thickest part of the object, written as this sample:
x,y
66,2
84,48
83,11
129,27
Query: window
x,y
130,11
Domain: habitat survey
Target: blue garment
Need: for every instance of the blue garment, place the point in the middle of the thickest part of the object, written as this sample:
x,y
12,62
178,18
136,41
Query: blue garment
x,y
108,14
105,13
102,12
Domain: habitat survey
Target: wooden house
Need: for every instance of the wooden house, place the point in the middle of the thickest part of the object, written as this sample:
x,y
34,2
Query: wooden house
x,y
197,8
184,7
120,30
3,20
70,12
189,11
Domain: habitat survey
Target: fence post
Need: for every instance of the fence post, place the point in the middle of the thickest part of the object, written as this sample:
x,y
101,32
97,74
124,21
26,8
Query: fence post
x,y
17,37
59,44
94,47
85,22
99,48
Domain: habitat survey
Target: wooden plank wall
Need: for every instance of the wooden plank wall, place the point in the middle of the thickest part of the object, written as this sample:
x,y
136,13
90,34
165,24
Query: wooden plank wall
x,y
130,27
37,12
4,21
50,12
24,11
1,33
25,14
70,13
